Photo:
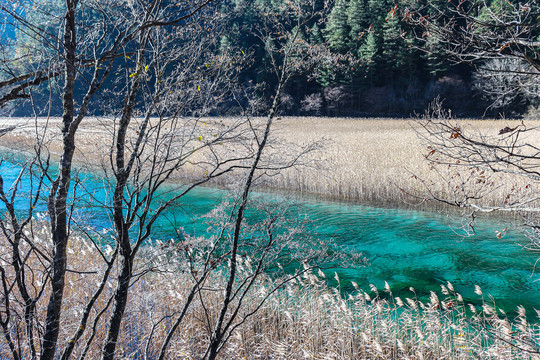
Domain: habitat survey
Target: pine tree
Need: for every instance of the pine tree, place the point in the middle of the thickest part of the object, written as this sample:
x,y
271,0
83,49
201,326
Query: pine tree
x,y
337,30
377,12
370,53
369,50
393,46
413,61
357,21
436,58
224,45
315,35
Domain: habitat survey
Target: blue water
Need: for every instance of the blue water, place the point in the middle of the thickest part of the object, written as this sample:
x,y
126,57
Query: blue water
x,y
423,250
406,248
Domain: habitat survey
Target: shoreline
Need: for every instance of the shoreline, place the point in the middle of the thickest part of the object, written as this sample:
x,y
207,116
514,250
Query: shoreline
x,y
356,160
424,207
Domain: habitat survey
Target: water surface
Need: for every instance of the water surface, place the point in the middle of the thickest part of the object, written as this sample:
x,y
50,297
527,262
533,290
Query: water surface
x,y
406,248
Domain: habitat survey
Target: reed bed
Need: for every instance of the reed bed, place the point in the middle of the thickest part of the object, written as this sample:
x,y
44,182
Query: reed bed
x,y
305,320
384,160
379,160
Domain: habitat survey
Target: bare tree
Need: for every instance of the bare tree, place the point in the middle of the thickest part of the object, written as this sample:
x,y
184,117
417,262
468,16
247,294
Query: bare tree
x,y
507,83
248,250
21,279
163,145
290,55
152,68
312,104
500,38
480,30
96,40
466,160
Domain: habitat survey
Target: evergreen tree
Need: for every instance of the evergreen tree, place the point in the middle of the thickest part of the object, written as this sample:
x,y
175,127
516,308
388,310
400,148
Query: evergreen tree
x,y
436,58
413,61
357,21
369,53
377,12
315,35
224,45
393,47
337,29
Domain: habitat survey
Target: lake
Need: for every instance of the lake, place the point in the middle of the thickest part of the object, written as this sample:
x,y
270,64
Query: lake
x,y
406,248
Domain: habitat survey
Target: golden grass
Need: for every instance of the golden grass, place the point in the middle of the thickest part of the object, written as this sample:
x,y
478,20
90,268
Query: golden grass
x,y
362,159
375,159
359,159
306,320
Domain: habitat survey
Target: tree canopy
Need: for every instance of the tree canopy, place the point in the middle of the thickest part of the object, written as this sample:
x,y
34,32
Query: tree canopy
x,y
394,65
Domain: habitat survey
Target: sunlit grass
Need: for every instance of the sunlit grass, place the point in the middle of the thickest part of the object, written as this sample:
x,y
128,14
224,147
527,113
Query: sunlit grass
x,y
378,160
307,319
384,160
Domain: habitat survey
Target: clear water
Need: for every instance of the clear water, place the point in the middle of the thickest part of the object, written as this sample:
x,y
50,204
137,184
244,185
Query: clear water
x,y
424,250
406,248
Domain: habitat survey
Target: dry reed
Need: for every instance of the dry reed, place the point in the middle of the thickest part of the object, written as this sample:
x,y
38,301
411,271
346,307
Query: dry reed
x,y
378,160
361,159
306,320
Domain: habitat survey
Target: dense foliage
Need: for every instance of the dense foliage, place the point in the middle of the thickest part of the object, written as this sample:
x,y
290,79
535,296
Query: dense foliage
x,y
388,66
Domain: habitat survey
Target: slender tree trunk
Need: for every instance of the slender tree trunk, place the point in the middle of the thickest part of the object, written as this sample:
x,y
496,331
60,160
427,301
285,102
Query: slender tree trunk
x,y
125,252
219,331
58,195
121,227
120,297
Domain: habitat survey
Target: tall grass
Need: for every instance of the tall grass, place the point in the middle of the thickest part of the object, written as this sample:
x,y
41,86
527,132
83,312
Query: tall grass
x,y
384,160
379,160
358,159
305,320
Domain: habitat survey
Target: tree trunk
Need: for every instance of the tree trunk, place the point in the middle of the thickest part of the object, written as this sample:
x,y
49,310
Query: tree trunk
x,y
58,196
120,298
121,227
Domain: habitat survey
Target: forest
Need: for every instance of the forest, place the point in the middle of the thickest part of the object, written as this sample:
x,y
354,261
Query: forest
x,y
382,63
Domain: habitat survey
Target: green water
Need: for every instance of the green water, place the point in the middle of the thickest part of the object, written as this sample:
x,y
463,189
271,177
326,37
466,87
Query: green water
x,y
424,250
405,248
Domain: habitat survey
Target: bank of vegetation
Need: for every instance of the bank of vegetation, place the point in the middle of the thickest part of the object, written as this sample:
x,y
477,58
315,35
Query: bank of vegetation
x,y
387,65
304,319
381,161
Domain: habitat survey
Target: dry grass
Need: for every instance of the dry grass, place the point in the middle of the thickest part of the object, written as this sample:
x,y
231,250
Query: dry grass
x,y
375,159
359,159
362,160
306,320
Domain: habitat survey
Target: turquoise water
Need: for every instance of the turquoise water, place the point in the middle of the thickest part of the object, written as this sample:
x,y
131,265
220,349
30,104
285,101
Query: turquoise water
x,y
424,250
406,248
